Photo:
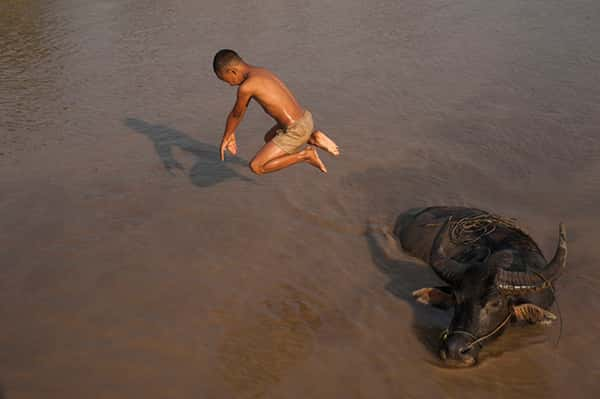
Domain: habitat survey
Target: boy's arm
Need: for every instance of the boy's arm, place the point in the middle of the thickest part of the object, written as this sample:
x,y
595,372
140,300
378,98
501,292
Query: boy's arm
x,y
233,120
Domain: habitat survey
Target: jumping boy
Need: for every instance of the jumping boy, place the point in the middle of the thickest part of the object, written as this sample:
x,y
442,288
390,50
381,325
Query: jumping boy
x,y
284,142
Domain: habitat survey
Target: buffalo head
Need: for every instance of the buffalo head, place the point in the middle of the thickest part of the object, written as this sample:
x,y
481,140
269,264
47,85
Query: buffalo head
x,y
485,295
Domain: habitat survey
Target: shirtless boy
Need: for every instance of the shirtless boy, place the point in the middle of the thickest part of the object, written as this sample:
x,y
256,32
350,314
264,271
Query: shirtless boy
x,y
294,129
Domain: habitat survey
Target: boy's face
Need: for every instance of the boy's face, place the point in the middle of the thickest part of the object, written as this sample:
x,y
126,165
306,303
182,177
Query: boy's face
x,y
231,76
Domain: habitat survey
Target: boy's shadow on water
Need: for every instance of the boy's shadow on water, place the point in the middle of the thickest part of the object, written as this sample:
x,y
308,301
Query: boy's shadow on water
x,y
407,275
208,169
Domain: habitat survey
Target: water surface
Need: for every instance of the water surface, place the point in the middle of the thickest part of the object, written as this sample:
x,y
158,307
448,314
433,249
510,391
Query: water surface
x,y
135,264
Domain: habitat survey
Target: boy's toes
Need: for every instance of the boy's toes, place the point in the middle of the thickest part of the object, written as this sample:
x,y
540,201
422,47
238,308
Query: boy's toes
x,y
322,141
313,159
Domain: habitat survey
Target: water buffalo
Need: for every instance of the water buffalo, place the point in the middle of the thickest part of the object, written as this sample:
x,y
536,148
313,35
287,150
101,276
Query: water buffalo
x,y
495,273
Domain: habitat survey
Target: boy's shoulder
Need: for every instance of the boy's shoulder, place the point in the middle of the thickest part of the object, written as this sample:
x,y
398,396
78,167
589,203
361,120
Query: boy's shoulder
x,y
260,73
254,80
248,86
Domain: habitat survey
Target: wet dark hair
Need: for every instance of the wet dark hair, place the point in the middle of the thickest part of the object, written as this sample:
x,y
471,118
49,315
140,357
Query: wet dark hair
x,y
225,57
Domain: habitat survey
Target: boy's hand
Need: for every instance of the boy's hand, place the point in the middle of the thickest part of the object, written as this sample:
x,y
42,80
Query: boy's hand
x,y
228,144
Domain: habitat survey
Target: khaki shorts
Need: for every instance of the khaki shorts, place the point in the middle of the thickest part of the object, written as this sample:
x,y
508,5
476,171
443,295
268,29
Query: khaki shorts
x,y
292,138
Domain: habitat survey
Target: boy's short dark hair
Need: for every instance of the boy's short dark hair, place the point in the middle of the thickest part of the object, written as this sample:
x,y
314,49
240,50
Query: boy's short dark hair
x,y
225,57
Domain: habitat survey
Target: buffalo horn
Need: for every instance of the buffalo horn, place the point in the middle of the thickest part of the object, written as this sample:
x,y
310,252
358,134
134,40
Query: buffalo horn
x,y
522,282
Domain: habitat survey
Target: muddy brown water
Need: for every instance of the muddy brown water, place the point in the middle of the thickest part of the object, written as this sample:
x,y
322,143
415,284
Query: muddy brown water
x,y
134,263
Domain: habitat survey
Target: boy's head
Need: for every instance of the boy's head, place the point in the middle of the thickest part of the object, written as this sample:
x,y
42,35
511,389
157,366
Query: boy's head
x,y
229,67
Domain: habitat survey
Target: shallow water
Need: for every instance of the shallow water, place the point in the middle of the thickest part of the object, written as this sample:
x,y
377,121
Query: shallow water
x,y
134,263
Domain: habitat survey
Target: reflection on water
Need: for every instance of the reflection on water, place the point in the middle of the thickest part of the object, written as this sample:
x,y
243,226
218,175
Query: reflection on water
x,y
32,40
27,36
21,38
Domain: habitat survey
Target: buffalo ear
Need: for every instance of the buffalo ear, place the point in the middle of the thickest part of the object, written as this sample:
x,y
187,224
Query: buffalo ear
x,y
440,297
533,313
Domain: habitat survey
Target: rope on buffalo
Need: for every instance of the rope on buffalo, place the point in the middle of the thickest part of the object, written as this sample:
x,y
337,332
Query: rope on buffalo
x,y
477,340
471,229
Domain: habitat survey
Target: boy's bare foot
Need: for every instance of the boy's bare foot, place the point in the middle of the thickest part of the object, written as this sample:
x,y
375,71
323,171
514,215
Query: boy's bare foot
x,y
313,158
321,140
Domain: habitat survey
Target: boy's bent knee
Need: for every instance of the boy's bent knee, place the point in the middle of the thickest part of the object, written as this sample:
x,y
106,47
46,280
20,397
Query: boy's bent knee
x,y
256,167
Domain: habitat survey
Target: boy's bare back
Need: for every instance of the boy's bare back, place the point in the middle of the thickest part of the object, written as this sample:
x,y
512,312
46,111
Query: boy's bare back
x,y
272,95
